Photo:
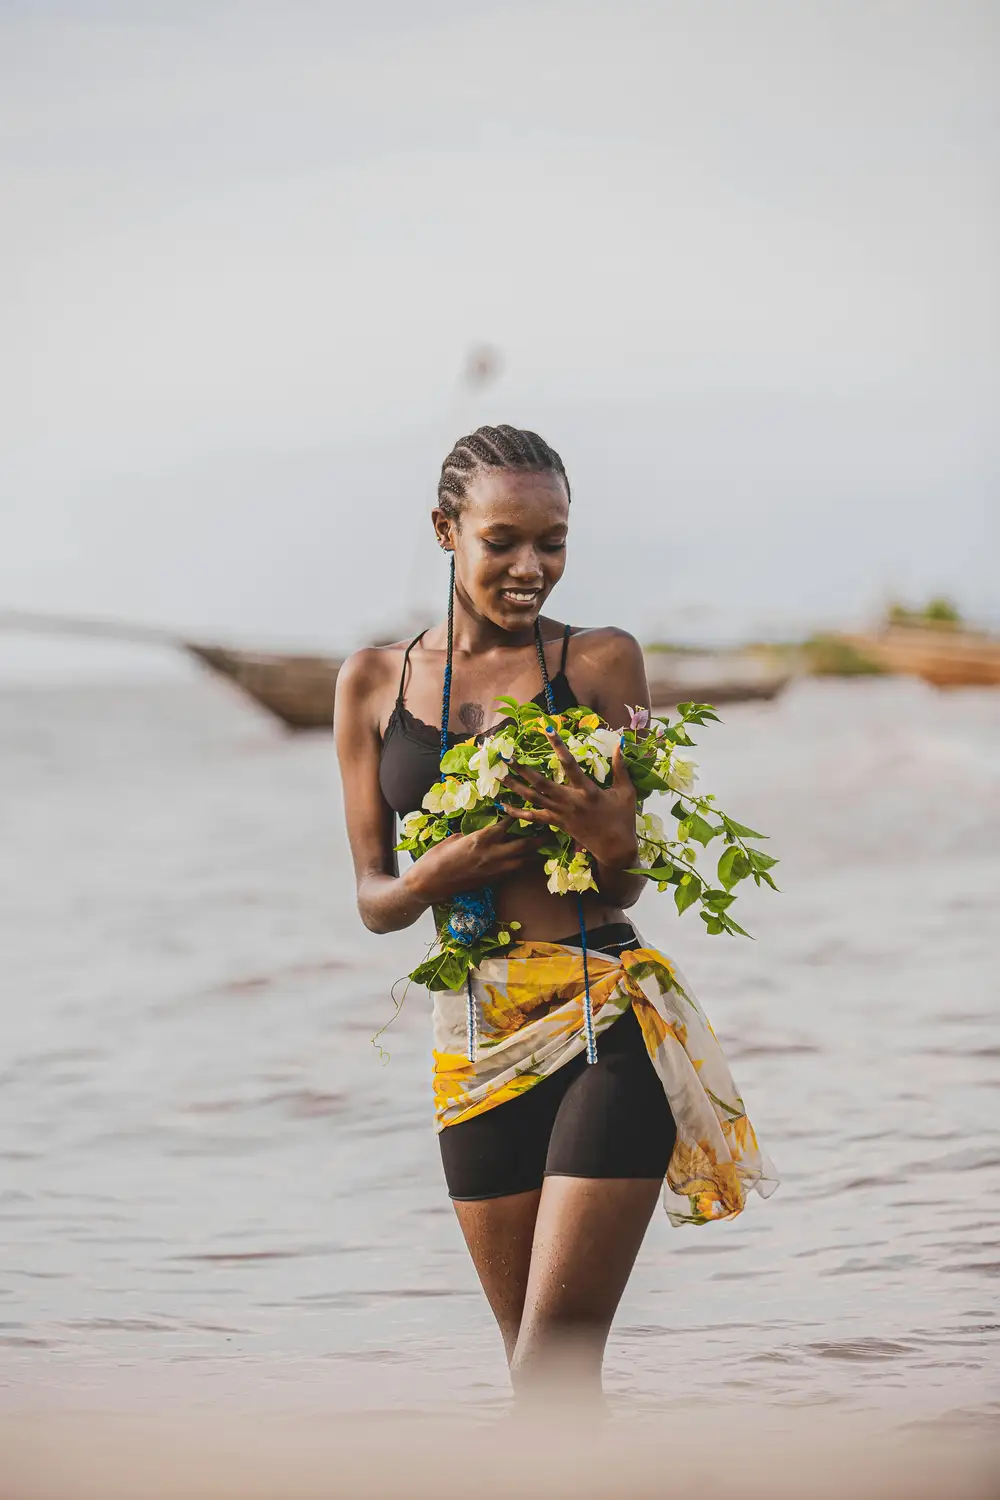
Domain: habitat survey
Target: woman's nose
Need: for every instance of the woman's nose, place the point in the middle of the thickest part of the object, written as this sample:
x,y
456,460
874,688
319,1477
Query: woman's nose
x,y
526,567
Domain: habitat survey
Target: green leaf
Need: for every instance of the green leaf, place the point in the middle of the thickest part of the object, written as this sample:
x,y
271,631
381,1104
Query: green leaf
x,y
511,704
761,861
733,866
714,924
687,709
479,817
685,896
456,760
701,831
679,811
741,830
443,971
453,971
718,900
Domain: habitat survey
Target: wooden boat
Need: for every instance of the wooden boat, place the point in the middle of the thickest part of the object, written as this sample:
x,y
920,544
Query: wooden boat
x,y
299,690
945,656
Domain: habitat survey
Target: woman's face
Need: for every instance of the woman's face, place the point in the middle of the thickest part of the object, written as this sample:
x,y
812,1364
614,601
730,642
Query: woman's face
x,y
509,544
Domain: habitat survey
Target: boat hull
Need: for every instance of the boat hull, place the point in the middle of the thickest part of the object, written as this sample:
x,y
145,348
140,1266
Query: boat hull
x,y
942,657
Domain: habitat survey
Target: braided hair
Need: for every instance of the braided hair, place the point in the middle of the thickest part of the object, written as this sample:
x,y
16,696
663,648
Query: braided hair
x,y
493,448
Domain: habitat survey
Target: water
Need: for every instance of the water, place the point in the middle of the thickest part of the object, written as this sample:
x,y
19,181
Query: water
x,y
213,1192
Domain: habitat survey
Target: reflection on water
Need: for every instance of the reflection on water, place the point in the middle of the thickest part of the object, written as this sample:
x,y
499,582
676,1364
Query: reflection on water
x,y
211,1187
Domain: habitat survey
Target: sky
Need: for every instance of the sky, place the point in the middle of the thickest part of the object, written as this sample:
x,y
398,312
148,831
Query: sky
x,y
738,261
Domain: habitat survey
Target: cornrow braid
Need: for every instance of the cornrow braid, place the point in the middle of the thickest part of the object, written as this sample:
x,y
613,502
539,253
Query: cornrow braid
x,y
493,448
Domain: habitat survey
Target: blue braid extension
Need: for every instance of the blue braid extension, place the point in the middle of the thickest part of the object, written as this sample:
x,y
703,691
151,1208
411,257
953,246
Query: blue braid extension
x,y
472,912
446,696
588,1005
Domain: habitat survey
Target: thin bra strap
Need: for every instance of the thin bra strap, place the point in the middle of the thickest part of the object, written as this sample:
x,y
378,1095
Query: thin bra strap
x,y
406,663
565,651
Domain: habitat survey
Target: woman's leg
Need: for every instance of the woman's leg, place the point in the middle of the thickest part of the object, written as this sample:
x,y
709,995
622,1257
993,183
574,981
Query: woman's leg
x,y
494,1165
587,1236
499,1233
611,1142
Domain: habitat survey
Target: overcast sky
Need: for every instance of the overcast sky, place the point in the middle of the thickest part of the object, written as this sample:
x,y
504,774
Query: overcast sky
x,y
740,260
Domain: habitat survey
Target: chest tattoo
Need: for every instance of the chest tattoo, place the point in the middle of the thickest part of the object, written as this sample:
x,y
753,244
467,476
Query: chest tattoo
x,y
471,716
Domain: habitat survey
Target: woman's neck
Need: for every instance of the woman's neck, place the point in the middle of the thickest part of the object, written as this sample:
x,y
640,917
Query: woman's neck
x,y
474,634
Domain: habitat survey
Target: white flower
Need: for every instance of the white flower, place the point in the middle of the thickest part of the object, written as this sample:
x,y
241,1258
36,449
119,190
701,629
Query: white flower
x,y
576,876
605,740
682,775
579,875
490,764
652,836
450,796
650,826
595,750
412,824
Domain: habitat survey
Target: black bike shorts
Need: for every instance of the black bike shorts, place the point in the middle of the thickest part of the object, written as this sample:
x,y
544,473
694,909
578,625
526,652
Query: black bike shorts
x,y
605,1119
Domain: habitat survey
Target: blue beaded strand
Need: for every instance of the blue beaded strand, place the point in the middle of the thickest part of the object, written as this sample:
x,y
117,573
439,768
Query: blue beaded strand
x,y
588,1004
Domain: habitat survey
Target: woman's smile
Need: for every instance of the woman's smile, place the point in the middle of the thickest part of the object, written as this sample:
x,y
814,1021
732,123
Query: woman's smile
x,y
521,598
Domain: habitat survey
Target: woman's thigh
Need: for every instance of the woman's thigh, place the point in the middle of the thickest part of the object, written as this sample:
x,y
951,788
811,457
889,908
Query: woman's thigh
x,y
613,1120
587,1235
499,1233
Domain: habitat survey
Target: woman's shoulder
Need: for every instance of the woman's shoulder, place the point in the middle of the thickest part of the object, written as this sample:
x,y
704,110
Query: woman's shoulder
x,y
603,646
605,668
371,669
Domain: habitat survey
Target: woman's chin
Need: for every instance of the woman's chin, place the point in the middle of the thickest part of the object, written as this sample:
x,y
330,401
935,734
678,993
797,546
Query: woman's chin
x,y
512,617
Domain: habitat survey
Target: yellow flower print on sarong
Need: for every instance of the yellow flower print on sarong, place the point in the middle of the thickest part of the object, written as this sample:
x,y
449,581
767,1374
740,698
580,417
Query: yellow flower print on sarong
x,y
529,1007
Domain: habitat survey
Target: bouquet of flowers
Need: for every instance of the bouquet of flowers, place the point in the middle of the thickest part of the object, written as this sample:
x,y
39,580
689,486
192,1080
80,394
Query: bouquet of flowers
x,y
475,773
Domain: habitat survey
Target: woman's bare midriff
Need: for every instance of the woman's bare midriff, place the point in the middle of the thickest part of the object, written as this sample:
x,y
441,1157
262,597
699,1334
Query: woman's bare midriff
x,y
525,898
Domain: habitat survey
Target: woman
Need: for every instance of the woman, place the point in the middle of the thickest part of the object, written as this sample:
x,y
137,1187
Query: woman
x,y
555,1174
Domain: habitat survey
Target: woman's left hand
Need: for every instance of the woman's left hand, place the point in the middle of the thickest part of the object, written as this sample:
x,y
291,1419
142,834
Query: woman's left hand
x,y
599,819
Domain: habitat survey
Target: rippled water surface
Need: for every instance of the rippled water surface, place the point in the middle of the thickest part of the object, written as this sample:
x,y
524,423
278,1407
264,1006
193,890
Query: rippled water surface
x,y
210,1186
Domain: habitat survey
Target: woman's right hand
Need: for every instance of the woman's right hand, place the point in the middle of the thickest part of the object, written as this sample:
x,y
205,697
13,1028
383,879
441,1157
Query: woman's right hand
x,y
468,861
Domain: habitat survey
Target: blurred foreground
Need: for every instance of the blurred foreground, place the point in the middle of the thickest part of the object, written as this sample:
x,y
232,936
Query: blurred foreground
x,y
396,1458
217,1201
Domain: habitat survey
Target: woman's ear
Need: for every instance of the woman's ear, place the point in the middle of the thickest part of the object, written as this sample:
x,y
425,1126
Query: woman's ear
x,y
443,529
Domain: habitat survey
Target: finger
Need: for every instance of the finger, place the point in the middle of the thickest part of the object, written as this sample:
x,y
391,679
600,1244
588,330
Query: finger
x,y
534,814
529,776
562,754
619,770
494,831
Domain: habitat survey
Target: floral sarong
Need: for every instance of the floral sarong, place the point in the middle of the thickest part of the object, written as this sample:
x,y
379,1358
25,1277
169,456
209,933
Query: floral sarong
x,y
530,1013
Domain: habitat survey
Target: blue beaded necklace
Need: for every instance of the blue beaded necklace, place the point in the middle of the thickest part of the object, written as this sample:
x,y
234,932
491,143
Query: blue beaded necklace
x,y
473,912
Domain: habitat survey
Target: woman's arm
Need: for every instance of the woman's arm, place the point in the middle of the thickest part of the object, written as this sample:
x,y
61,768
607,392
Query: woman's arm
x,y
387,900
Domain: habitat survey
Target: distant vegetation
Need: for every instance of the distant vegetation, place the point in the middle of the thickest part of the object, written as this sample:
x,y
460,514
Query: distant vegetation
x,y
938,611
829,656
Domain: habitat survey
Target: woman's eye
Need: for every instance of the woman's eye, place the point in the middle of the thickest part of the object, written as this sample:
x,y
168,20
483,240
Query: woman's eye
x,y
498,546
